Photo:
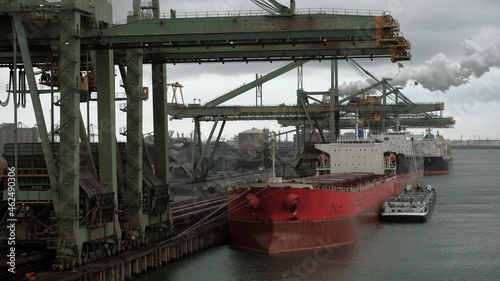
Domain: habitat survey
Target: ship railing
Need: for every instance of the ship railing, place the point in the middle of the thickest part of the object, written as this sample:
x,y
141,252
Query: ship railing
x,y
322,168
350,141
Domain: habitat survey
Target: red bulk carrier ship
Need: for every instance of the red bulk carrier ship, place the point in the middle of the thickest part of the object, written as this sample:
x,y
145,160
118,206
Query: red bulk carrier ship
x,y
335,207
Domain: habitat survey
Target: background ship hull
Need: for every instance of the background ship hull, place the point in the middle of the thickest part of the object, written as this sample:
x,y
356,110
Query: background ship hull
x,y
437,165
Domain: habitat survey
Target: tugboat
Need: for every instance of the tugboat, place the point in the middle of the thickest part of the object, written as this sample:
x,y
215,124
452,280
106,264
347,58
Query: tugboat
x,y
412,205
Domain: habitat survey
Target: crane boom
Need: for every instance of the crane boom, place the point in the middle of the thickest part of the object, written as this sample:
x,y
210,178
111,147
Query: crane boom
x,y
273,7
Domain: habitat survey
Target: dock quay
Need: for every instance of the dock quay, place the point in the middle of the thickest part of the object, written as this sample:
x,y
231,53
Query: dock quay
x,y
129,264
199,223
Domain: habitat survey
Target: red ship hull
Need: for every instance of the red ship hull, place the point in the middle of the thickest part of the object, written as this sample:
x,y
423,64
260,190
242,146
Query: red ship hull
x,y
262,219
290,236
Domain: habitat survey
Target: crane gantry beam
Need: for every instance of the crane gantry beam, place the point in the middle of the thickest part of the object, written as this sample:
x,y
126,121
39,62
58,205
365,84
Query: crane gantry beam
x,y
291,115
235,36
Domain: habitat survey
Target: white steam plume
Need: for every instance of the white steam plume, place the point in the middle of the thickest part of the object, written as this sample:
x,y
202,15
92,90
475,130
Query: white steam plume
x,y
441,73
351,87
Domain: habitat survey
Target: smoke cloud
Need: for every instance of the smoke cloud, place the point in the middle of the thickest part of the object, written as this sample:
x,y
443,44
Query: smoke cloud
x,y
441,73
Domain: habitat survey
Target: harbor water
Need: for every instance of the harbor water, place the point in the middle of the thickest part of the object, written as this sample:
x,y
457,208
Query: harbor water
x,y
459,242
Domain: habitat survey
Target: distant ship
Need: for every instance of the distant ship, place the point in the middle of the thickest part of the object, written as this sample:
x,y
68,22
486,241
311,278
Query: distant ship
x,y
438,158
335,207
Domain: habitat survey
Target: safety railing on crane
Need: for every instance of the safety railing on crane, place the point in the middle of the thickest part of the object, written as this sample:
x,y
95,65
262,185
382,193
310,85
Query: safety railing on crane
x,y
246,13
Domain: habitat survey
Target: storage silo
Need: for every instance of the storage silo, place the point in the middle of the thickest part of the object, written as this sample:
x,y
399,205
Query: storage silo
x,y
24,134
253,138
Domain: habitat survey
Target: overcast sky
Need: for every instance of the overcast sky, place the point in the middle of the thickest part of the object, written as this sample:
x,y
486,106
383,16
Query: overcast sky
x,y
455,59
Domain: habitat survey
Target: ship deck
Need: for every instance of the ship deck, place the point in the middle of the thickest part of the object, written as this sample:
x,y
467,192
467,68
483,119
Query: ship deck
x,y
334,181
